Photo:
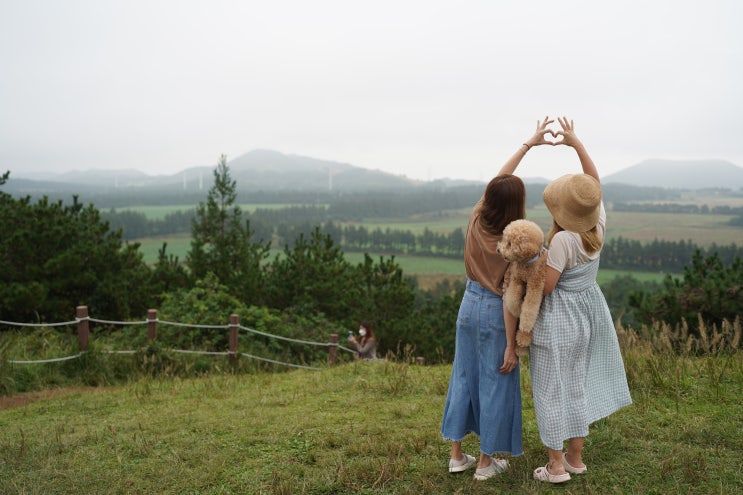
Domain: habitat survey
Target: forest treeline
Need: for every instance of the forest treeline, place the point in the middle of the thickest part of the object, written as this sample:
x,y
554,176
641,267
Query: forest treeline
x,y
400,202
280,226
58,255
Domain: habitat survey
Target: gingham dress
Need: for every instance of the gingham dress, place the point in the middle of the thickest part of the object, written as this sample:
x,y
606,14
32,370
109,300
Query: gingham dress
x,y
576,367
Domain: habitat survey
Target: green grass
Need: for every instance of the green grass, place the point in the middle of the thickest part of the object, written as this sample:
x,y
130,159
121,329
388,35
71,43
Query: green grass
x,y
703,230
414,265
606,275
178,245
370,428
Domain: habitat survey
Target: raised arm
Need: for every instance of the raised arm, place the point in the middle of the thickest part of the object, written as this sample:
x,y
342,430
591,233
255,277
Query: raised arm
x,y
570,139
536,140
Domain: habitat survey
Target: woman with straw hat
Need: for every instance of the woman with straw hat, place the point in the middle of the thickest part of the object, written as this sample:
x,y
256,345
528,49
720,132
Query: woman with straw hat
x,y
576,367
484,395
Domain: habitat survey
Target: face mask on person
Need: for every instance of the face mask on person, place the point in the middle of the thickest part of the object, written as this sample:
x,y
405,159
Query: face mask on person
x,y
362,331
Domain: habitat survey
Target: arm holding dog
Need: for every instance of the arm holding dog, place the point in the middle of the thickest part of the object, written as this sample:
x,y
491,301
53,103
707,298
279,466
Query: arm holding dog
x,y
550,280
510,359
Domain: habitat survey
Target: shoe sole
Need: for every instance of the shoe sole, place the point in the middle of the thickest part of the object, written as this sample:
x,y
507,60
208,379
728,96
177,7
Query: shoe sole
x,y
555,479
463,467
471,461
499,468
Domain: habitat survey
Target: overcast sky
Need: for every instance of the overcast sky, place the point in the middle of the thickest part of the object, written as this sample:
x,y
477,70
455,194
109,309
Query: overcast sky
x,y
423,88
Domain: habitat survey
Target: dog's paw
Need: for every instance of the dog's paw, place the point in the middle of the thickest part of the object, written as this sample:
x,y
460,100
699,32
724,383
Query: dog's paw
x,y
523,339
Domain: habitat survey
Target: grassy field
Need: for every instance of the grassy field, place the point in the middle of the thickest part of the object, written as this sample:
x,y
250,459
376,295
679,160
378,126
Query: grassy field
x,y
703,230
369,428
178,245
644,227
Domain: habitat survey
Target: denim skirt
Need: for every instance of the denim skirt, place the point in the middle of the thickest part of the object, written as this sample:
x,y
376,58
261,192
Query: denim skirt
x,y
481,399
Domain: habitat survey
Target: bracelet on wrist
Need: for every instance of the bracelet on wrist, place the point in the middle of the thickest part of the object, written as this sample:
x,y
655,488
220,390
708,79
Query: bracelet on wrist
x,y
527,147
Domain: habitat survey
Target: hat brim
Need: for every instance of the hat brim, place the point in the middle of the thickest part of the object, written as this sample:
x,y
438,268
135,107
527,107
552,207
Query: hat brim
x,y
574,200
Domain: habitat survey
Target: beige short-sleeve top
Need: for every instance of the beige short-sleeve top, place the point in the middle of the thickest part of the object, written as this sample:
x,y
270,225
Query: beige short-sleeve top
x,y
482,262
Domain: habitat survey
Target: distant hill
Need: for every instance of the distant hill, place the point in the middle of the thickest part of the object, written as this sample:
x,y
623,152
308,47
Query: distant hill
x,y
271,171
680,174
258,170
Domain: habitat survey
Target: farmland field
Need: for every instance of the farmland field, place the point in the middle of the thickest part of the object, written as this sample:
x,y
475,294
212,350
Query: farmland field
x,y
178,245
703,230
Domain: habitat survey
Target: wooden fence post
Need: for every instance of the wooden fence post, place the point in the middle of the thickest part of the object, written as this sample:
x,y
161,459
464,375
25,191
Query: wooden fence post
x,y
83,329
234,328
332,349
151,325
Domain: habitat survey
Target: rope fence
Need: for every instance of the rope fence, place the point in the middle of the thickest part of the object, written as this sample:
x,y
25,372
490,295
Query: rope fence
x,y
60,324
82,321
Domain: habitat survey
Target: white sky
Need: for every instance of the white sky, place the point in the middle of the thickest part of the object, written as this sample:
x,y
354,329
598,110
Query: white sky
x,y
423,88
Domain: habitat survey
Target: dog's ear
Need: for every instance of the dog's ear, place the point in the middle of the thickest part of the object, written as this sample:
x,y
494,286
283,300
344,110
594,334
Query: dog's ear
x,y
517,248
526,242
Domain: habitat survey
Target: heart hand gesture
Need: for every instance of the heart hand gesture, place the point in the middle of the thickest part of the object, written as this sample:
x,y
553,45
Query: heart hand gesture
x,y
568,138
539,135
568,133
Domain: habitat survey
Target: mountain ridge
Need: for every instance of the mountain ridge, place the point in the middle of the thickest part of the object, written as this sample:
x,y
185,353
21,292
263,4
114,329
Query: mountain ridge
x,y
680,174
263,169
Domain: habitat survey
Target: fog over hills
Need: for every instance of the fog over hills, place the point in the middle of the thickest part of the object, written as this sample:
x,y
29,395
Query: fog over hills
x,y
255,170
681,174
269,170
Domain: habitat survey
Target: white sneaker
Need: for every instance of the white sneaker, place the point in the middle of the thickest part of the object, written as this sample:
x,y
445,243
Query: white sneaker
x,y
496,466
463,464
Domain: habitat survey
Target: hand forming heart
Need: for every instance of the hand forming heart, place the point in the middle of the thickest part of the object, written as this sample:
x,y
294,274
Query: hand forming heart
x,y
555,134
566,135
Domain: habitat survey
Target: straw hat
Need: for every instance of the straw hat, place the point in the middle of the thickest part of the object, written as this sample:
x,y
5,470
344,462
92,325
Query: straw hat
x,y
574,201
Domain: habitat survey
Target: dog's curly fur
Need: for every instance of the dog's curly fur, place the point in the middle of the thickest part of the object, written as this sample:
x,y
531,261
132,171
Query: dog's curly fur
x,y
522,246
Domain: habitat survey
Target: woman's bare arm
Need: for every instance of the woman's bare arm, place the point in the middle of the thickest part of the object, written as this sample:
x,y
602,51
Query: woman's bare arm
x,y
537,139
570,139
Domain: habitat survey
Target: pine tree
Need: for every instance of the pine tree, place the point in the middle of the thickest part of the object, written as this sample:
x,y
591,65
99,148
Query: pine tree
x,y
708,289
221,242
56,257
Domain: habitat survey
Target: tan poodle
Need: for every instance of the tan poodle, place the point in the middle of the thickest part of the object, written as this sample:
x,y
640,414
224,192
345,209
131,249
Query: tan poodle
x,y
522,246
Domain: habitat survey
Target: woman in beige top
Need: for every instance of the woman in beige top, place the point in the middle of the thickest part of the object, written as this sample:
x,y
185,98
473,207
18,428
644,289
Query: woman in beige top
x,y
484,394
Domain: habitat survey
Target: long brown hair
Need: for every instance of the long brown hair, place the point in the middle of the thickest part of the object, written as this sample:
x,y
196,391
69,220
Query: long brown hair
x,y
503,202
590,239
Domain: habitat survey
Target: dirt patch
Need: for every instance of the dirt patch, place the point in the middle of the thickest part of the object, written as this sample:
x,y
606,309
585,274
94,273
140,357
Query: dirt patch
x,y
19,400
